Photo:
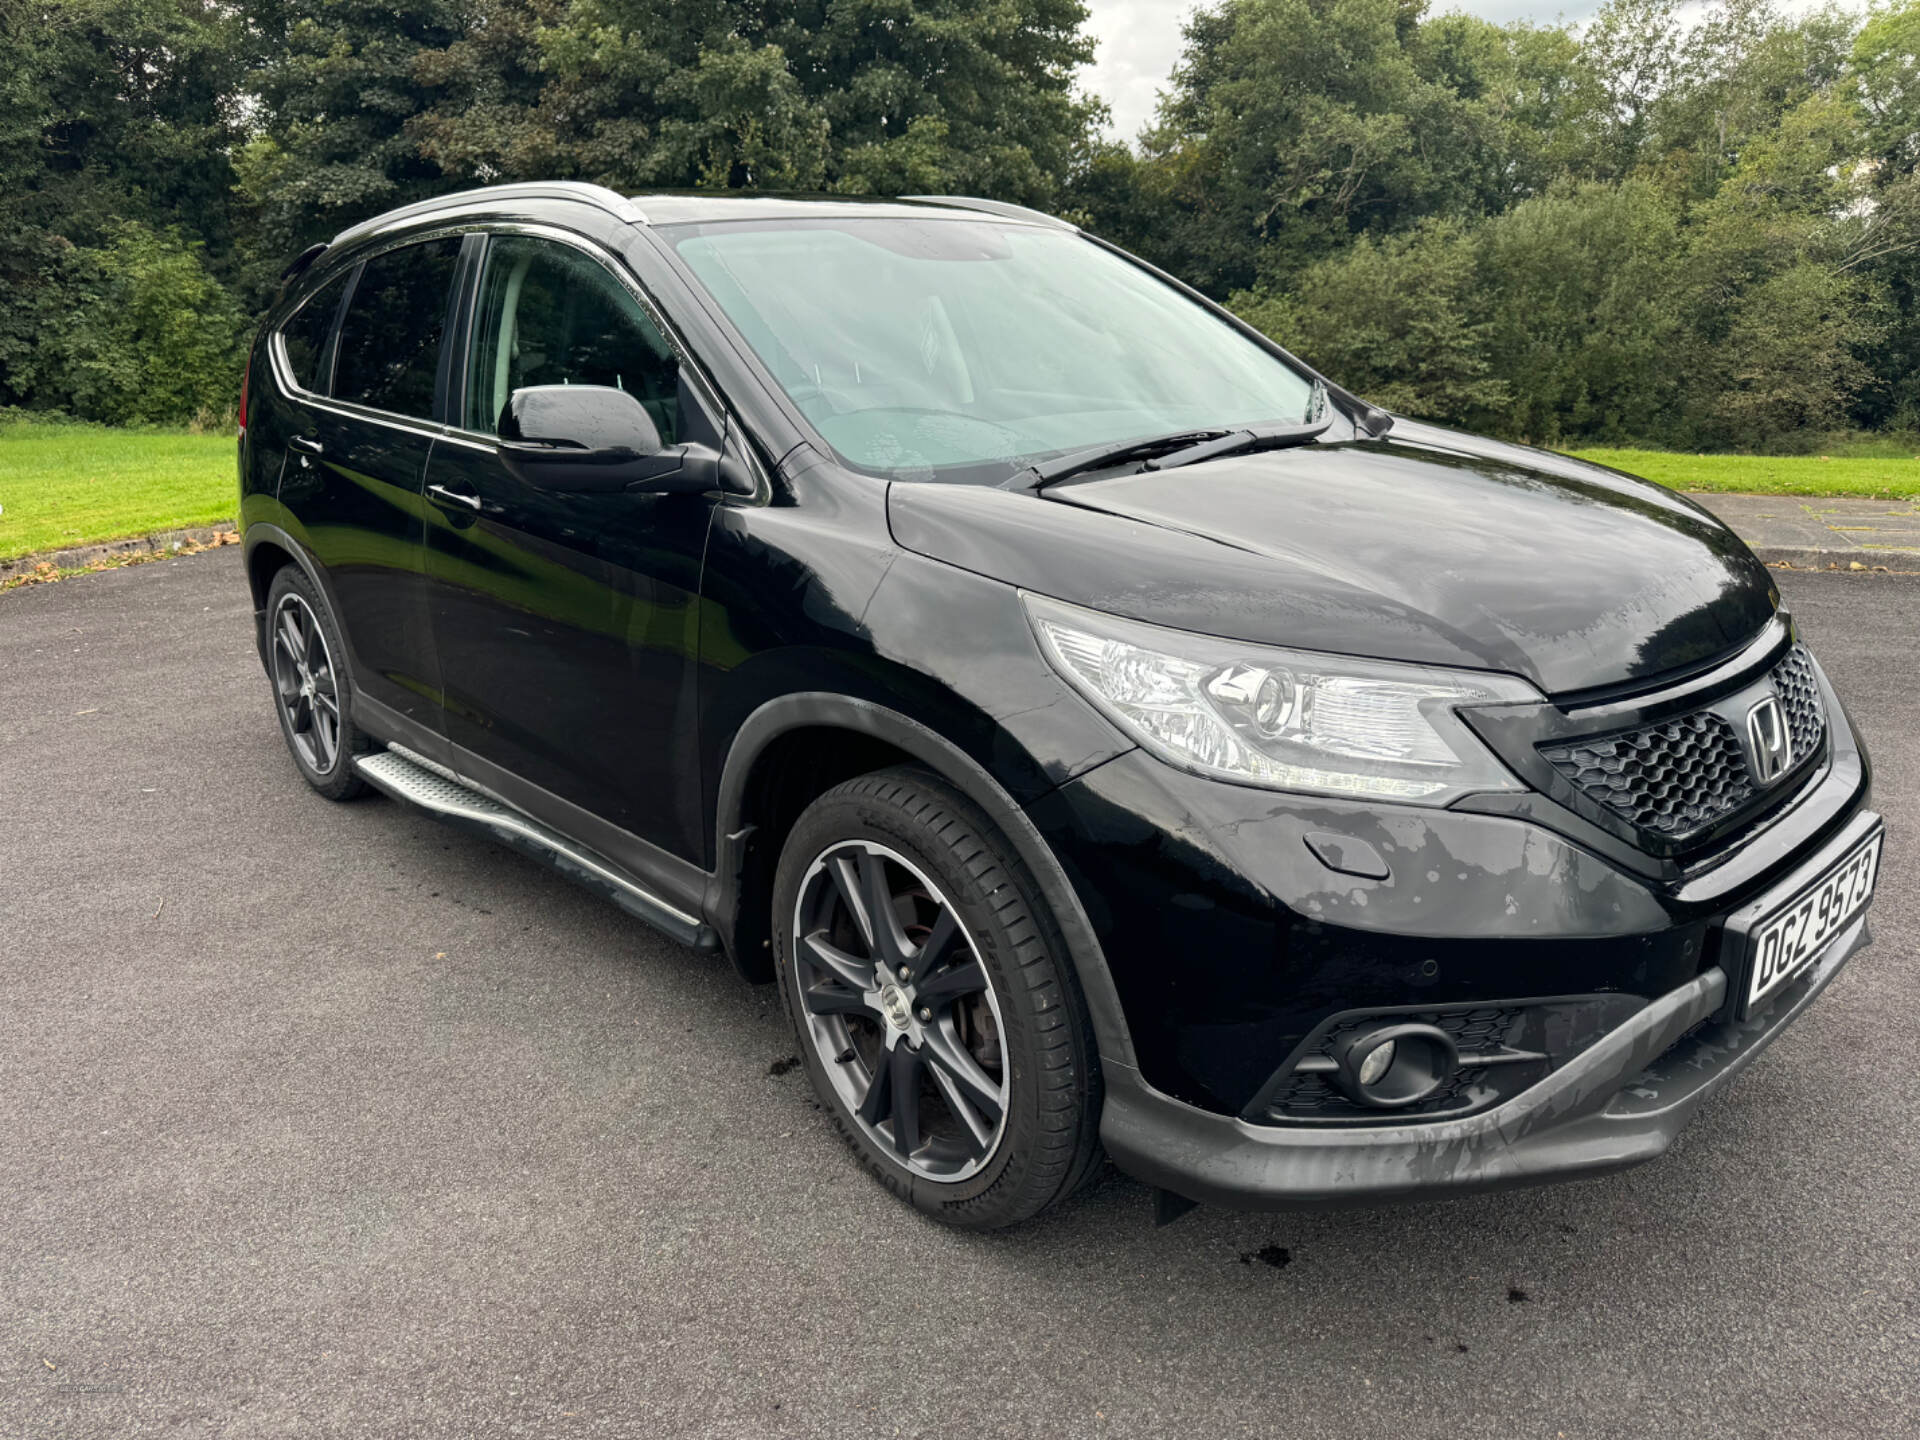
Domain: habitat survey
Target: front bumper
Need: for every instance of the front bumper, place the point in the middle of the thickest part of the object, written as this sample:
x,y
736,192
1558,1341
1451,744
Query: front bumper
x,y
1232,943
1618,1103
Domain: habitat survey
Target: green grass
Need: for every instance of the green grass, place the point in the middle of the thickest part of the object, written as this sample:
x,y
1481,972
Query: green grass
x,y
63,485
1877,477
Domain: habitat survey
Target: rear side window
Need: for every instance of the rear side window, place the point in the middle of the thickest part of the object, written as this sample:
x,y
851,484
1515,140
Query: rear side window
x,y
305,335
388,351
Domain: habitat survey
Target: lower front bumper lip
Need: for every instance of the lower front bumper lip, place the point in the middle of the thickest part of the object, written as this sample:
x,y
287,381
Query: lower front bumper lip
x,y
1618,1103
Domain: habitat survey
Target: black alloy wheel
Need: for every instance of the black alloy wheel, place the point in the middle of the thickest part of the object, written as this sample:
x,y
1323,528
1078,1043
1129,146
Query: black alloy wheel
x,y
311,692
900,1009
937,1022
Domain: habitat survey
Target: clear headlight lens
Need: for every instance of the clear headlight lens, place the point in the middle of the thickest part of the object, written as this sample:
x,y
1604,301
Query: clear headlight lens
x,y
1287,719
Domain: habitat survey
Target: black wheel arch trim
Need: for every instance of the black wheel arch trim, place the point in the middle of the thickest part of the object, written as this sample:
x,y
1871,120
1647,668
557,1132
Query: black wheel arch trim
x,y
821,709
262,532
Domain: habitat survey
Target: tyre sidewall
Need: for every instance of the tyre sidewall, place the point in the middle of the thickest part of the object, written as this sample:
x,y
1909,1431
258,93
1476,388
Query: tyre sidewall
x,y
340,781
1002,1192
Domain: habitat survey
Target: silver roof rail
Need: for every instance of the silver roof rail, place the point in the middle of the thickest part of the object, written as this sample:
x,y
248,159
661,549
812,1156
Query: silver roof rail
x,y
996,207
612,201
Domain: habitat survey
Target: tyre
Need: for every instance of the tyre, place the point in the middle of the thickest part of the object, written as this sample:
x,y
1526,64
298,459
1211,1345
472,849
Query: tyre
x,y
312,692
938,1018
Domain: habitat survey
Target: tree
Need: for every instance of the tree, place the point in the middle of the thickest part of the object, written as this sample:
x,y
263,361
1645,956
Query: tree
x,y
340,88
1391,319
1294,125
1582,325
110,111
863,96
152,337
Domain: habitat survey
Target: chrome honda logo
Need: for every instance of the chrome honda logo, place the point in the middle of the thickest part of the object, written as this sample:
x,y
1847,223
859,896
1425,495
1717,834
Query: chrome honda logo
x,y
1770,749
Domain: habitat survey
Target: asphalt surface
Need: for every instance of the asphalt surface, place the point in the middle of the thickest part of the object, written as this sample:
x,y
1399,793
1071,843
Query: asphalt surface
x,y
325,1120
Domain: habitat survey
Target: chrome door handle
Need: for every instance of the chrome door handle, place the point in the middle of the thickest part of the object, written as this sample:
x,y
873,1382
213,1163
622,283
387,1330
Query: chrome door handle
x,y
472,502
306,443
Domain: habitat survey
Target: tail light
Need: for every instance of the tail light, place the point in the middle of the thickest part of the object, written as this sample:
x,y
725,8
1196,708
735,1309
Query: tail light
x,y
246,376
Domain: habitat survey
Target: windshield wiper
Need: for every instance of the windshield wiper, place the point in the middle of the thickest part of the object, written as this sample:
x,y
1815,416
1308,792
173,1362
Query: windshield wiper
x,y
1243,442
1183,447
1098,457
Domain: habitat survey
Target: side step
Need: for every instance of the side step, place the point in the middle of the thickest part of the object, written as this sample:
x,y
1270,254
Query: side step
x,y
400,773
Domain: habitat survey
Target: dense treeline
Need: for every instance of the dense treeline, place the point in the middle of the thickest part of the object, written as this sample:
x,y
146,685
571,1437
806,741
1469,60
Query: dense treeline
x,y
1691,235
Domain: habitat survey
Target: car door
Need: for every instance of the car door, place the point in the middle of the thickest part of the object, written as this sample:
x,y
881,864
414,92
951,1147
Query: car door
x,y
357,457
565,624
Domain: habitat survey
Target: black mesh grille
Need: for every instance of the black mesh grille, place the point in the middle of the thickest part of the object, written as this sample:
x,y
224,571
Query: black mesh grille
x,y
1670,778
1683,775
1800,698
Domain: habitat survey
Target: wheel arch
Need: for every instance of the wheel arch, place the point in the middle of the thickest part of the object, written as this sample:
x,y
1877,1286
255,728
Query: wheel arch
x,y
267,549
839,731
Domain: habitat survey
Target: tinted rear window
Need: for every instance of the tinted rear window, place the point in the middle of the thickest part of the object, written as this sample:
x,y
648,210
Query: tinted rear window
x,y
389,345
305,335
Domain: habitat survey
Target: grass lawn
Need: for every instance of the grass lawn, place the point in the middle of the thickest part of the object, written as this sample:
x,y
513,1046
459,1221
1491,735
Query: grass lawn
x,y
1878,477
64,485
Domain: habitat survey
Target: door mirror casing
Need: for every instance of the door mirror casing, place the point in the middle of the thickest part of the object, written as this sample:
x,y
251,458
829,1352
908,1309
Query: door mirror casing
x,y
579,417
596,440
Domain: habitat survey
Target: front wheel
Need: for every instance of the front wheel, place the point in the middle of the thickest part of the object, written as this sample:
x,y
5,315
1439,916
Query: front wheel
x,y
937,1017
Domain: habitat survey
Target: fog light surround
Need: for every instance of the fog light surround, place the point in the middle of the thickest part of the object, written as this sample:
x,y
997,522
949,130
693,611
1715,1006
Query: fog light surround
x,y
1392,1066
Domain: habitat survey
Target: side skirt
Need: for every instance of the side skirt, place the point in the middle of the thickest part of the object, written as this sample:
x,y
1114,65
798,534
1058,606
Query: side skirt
x,y
413,778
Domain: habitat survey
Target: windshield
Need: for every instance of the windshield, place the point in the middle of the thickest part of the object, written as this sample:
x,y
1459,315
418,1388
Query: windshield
x,y
965,350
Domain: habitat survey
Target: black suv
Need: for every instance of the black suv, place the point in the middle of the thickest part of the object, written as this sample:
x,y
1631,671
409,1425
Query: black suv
x,y
1110,735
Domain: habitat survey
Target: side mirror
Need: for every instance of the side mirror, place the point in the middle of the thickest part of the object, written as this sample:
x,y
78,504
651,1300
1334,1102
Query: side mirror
x,y
579,417
596,439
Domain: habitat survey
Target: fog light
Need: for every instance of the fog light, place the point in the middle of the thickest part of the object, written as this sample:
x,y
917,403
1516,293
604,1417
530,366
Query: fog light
x,y
1390,1067
1376,1063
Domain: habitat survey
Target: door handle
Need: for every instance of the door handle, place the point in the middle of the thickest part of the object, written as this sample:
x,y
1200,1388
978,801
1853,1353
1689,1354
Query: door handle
x,y
307,443
472,502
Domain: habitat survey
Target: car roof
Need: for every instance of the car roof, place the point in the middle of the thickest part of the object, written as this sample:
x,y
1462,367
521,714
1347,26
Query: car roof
x,y
686,207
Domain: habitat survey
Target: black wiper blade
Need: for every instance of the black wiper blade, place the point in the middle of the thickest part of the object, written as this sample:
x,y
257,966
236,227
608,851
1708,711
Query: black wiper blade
x,y
1243,442
1098,457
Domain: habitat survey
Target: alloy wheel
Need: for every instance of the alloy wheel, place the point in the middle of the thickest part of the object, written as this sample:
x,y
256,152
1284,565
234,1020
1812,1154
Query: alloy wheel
x,y
900,1011
305,685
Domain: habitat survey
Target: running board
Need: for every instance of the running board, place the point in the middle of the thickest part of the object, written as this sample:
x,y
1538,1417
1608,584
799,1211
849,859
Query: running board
x,y
400,773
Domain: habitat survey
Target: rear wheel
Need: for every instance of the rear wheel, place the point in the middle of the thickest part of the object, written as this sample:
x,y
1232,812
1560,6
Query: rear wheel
x,y
312,694
935,1012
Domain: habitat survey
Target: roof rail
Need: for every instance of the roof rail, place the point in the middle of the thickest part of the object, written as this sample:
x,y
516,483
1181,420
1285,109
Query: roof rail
x,y
305,258
996,207
612,201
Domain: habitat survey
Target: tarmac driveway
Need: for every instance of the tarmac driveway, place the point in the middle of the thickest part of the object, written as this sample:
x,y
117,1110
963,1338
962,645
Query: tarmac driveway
x,y
326,1120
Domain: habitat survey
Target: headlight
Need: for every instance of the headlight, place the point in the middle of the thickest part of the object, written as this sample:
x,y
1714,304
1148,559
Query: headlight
x,y
1286,719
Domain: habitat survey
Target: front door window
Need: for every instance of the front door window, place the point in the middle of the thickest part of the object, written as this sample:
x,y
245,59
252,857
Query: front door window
x,y
550,315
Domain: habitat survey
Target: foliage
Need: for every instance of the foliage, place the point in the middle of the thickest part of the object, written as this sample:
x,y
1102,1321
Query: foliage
x,y
1684,225
1390,318
1579,293
864,96
152,336
1701,232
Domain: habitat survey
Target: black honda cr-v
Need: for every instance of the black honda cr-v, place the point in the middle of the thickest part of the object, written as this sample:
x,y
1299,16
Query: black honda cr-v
x,y
1111,736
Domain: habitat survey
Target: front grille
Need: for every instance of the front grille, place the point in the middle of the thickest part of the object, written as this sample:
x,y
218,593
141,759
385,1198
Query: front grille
x,y
1800,698
1680,776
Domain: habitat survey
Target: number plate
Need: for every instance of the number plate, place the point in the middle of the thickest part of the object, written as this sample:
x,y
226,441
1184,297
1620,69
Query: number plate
x,y
1792,935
